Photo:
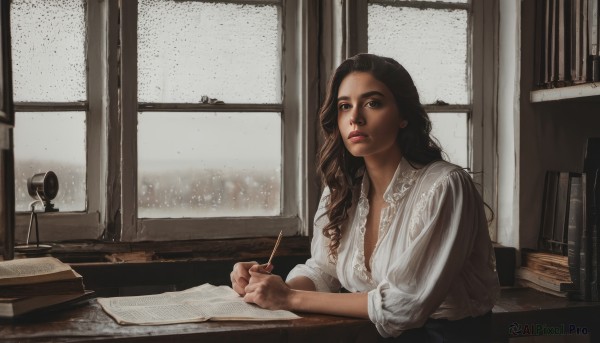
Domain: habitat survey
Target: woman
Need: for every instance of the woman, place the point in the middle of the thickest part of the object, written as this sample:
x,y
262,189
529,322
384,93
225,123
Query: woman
x,y
399,228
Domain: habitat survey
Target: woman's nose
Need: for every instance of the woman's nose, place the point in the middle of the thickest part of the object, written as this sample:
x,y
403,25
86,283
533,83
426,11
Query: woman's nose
x,y
356,118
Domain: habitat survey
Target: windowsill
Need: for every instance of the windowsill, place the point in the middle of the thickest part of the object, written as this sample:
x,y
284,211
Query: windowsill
x,y
587,91
86,252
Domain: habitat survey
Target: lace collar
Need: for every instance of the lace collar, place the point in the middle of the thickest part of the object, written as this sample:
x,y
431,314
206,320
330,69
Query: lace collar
x,y
404,177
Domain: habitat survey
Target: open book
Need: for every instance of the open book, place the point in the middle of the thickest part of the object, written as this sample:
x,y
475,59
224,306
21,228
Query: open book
x,y
197,304
34,270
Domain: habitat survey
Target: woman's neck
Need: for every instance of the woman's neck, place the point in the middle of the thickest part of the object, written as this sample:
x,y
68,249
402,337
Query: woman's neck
x,y
381,171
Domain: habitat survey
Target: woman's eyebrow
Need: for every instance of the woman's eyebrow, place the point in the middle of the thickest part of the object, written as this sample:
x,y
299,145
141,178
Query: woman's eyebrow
x,y
364,95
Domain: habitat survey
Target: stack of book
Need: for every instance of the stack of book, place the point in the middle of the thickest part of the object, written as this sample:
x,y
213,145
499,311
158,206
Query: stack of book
x,y
570,229
34,284
546,272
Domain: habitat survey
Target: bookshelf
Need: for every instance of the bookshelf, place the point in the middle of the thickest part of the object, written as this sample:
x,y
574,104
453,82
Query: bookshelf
x,y
587,91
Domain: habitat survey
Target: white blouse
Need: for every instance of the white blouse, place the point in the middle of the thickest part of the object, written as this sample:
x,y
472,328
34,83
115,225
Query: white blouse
x,y
433,257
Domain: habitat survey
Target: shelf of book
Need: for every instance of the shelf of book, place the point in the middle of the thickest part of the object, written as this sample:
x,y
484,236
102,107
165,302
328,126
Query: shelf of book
x,y
589,91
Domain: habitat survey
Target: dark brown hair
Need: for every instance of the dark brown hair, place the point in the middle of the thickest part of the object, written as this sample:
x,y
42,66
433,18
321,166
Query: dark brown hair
x,y
337,168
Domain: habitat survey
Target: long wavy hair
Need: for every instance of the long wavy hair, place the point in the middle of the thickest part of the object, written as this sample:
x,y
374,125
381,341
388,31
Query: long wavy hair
x,y
337,168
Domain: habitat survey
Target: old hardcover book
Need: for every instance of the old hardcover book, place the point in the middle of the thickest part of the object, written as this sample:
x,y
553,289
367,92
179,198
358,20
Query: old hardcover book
x,y
540,43
34,270
548,211
550,281
594,227
584,38
533,285
68,286
594,40
547,262
575,226
15,307
592,207
554,42
564,42
561,213
576,40
585,256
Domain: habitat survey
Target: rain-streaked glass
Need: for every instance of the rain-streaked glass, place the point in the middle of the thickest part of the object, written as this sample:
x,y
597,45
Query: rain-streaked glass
x,y
451,130
189,49
430,43
208,164
40,148
48,50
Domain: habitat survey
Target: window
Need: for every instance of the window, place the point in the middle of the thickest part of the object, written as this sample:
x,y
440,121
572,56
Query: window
x,y
52,111
53,75
165,119
446,46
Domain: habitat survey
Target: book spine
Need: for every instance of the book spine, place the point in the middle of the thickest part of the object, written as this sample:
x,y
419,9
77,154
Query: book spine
x,y
574,228
540,43
549,210
576,41
555,42
562,215
593,62
591,168
593,216
584,258
584,39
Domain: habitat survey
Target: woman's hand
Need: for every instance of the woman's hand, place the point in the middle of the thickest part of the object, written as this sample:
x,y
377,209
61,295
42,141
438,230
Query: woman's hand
x,y
266,290
240,276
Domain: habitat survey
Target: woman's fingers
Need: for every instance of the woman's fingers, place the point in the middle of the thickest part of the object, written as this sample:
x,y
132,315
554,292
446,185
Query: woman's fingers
x,y
241,268
240,276
267,291
261,268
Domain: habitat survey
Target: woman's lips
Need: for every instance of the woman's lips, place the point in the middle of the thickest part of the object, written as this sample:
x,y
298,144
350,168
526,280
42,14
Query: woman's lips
x,y
357,136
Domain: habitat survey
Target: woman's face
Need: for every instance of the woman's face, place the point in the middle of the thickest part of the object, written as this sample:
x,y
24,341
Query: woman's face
x,y
368,118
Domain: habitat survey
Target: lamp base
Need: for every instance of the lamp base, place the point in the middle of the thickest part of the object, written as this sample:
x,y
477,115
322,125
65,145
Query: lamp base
x,y
33,249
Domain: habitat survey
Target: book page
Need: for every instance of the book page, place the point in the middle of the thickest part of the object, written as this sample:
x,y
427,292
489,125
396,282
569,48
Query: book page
x,y
205,302
34,270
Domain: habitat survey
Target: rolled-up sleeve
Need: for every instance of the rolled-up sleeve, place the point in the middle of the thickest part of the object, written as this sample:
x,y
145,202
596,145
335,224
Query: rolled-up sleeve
x,y
420,278
318,268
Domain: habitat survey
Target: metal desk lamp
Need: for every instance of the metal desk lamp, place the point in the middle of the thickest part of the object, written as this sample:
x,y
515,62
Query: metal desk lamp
x,y
43,187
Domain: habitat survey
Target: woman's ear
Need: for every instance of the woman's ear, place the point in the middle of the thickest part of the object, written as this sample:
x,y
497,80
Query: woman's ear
x,y
403,123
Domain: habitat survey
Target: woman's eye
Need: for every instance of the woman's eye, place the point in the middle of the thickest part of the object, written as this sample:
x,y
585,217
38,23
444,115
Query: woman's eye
x,y
374,104
343,106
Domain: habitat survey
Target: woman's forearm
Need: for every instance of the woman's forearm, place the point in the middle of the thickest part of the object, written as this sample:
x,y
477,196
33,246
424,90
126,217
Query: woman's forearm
x,y
270,291
304,298
341,304
301,283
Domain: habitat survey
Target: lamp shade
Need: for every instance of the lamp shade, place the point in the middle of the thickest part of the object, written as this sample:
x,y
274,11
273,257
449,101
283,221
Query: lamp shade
x,y
44,184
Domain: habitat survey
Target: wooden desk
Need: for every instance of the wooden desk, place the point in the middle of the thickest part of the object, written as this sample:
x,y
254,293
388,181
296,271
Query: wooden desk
x,y
91,323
